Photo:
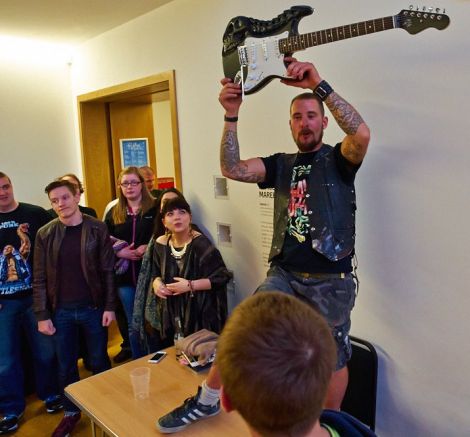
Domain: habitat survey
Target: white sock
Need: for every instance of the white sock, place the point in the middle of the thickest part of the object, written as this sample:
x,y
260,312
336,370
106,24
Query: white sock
x,y
208,396
70,413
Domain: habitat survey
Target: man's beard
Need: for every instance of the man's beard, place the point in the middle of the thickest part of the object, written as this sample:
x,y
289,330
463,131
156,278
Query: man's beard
x,y
310,146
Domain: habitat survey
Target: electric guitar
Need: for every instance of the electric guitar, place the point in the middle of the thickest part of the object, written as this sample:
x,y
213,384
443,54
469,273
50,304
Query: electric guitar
x,y
253,50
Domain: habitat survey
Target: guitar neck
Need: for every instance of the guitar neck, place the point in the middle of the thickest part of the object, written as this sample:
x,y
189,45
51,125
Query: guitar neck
x,y
292,44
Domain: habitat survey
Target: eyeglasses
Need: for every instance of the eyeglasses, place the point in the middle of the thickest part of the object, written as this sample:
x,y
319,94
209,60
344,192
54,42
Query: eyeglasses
x,y
130,184
5,187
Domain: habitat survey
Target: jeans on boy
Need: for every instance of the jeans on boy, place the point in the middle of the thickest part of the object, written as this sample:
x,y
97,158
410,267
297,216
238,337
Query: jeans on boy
x,y
17,315
67,323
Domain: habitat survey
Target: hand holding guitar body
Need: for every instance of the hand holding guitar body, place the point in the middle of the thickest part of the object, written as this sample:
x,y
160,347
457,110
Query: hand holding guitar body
x,y
230,97
301,74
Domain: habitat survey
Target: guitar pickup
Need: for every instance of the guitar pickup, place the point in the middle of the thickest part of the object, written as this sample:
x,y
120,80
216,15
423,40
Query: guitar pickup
x,y
264,47
243,56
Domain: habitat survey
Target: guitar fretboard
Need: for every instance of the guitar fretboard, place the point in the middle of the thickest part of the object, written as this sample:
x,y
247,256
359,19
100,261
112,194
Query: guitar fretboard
x,y
300,42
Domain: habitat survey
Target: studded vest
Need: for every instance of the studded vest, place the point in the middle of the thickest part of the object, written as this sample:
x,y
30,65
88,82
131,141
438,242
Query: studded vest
x,y
331,206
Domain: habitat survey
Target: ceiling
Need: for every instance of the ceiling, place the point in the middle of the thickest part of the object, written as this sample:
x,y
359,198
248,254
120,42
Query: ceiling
x,y
68,21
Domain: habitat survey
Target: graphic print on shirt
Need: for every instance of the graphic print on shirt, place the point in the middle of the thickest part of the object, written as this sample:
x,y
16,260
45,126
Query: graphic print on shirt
x,y
297,224
15,272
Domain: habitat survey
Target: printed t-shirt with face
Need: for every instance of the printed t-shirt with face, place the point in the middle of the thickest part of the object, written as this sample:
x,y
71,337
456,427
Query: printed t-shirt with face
x,y
18,230
297,254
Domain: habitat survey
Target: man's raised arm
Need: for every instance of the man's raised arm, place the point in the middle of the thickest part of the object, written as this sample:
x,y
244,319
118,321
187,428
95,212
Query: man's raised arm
x,y
354,144
232,167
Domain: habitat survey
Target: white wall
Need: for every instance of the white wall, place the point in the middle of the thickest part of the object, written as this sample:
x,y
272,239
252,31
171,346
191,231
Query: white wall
x,y
37,140
413,91
163,139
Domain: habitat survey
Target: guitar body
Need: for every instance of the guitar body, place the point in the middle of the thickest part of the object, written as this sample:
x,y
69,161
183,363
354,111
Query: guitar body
x,y
258,41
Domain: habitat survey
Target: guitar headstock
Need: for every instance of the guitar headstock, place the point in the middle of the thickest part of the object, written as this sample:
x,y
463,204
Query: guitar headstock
x,y
416,19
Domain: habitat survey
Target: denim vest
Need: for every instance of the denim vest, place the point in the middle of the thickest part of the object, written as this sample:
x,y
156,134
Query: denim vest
x,y
331,206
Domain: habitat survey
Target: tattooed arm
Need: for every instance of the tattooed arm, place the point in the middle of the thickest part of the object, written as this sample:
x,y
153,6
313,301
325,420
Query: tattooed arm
x,y
249,170
232,167
354,144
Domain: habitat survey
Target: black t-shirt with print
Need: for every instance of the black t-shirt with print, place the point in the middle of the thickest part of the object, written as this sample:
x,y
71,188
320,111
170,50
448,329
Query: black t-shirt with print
x,y
18,230
297,254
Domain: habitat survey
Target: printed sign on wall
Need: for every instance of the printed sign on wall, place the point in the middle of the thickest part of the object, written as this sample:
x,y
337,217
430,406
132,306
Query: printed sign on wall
x,y
266,212
134,151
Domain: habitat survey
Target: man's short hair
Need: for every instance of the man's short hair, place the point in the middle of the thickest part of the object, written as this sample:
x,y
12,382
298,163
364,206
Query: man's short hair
x,y
145,169
308,96
60,183
75,178
276,356
3,175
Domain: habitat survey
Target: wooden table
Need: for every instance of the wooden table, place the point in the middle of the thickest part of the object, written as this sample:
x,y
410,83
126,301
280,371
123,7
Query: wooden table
x,y
108,400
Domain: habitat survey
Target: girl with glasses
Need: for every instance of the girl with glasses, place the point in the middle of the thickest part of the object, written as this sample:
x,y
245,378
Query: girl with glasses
x,y
130,223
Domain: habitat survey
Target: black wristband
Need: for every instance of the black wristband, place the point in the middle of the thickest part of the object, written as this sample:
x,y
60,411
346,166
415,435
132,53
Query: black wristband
x,y
323,90
230,119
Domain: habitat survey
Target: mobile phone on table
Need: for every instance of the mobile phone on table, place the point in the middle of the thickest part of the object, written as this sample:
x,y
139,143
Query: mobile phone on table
x,y
157,357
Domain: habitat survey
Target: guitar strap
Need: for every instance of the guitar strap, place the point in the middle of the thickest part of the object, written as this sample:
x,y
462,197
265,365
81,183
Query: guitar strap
x,y
243,83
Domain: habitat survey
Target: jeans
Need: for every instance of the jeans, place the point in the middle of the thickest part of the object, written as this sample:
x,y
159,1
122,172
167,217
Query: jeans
x,y
127,294
67,323
121,321
17,315
333,298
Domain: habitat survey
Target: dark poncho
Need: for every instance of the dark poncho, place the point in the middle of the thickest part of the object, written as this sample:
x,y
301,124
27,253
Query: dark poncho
x,y
206,309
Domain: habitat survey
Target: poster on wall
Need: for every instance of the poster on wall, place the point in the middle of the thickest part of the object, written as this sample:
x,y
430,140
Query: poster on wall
x,y
134,151
266,211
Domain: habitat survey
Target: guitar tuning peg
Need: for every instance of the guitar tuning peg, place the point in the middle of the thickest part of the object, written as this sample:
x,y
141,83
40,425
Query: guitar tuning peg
x,y
437,10
424,8
444,11
411,7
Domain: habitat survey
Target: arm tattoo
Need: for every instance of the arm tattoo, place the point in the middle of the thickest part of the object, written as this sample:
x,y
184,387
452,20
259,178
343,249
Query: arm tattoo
x,y
345,115
230,159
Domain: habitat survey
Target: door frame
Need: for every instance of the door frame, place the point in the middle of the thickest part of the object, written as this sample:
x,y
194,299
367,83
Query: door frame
x,y
95,132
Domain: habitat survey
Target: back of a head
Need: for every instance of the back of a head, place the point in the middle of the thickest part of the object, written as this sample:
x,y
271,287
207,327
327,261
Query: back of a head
x,y
276,356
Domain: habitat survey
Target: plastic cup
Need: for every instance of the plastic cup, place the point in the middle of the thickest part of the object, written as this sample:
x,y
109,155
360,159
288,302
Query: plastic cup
x,y
140,379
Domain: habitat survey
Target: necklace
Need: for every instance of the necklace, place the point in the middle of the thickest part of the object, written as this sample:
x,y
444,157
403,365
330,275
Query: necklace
x,y
178,254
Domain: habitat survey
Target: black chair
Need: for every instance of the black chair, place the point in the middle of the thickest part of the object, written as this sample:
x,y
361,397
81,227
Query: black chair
x,y
361,394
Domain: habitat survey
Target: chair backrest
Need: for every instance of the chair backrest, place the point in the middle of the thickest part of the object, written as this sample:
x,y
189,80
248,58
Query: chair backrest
x,y
361,394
